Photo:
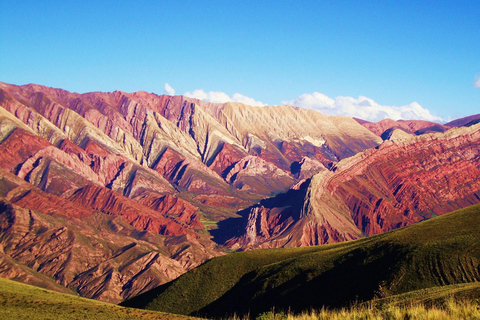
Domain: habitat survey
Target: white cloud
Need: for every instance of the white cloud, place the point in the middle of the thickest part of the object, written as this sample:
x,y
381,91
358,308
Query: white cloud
x,y
222,97
197,94
361,107
316,100
476,83
168,89
237,97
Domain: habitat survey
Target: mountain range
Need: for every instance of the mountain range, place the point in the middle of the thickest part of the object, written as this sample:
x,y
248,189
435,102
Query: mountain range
x,y
109,195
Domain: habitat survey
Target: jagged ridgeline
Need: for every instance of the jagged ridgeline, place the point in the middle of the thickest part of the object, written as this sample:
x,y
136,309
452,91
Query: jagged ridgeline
x,y
398,183
111,194
432,254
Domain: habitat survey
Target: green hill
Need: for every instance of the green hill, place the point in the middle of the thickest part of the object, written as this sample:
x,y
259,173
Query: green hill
x,y
433,296
438,252
22,301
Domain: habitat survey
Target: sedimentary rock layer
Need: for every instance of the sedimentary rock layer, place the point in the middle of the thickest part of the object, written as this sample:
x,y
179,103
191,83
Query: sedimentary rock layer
x,y
396,184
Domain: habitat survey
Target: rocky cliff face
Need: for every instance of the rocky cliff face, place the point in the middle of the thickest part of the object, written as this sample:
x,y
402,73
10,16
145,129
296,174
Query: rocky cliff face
x,y
79,240
98,255
394,185
111,194
142,127
108,193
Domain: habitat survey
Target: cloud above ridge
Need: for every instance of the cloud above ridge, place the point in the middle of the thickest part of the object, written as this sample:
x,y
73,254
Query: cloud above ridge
x,y
361,107
222,97
168,89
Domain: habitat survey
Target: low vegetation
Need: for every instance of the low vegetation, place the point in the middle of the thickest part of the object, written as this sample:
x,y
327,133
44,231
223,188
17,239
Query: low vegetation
x,y
21,301
450,310
426,271
390,267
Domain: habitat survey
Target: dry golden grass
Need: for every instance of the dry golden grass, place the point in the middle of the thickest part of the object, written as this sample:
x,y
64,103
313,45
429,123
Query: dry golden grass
x,y
418,264
450,310
19,301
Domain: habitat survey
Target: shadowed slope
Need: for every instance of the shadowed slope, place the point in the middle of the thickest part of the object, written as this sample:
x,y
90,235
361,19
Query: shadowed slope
x,y
442,251
399,183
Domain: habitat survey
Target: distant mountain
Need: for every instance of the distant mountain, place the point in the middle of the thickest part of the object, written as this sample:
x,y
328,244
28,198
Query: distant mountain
x,y
465,122
111,194
386,128
396,184
440,252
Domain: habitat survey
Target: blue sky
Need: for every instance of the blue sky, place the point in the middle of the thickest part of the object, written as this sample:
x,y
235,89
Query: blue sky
x,y
391,58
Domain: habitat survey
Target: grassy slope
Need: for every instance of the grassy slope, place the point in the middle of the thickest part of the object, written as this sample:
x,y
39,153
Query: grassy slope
x,y
433,296
442,251
21,301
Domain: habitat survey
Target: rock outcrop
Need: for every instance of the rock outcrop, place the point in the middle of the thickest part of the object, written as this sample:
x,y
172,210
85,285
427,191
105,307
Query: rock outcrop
x,y
256,175
396,184
157,166
98,256
111,194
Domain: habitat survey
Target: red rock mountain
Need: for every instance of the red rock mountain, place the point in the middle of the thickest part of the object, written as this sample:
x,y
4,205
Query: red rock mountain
x,y
393,185
465,122
389,129
111,194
